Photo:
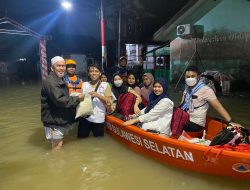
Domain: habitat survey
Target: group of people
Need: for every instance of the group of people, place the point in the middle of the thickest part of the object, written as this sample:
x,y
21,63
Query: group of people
x,y
152,108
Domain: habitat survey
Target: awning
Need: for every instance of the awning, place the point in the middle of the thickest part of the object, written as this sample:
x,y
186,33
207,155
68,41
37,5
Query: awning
x,y
163,50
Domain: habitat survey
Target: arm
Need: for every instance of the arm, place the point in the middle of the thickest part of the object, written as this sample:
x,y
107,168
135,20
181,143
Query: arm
x,y
222,111
60,99
137,90
131,122
110,105
99,96
137,102
107,95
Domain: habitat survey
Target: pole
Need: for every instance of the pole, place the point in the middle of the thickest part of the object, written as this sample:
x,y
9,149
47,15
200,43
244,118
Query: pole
x,y
103,36
119,34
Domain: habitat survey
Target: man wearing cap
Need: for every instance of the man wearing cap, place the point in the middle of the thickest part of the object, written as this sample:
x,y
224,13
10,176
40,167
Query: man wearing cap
x,y
73,81
56,104
196,100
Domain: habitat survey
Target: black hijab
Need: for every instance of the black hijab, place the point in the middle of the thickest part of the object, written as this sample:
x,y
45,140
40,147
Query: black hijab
x,y
118,90
153,98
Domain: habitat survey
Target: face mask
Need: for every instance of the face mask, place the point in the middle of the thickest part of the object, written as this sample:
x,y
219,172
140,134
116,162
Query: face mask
x,y
191,81
118,83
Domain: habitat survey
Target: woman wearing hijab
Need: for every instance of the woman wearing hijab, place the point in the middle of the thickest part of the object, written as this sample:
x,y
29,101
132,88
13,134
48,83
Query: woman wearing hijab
x,y
158,114
148,81
119,88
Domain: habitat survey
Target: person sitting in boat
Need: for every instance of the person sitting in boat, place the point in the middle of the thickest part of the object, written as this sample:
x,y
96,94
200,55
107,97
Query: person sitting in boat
x,y
148,81
196,100
158,114
118,89
133,83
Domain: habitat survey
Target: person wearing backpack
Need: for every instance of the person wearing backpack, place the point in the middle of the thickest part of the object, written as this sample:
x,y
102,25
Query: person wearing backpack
x,y
157,116
196,100
127,99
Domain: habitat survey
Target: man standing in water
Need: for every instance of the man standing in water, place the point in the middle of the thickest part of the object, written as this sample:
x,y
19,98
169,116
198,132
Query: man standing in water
x,y
101,95
56,104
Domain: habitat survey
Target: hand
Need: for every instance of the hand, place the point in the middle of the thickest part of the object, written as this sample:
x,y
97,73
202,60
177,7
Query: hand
x,y
235,124
81,97
109,101
129,122
137,110
132,116
94,94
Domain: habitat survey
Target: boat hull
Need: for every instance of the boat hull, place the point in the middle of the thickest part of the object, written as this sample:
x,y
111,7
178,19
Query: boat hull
x,y
182,154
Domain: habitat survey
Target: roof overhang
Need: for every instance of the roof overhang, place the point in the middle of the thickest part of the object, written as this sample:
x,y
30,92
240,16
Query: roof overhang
x,y
189,14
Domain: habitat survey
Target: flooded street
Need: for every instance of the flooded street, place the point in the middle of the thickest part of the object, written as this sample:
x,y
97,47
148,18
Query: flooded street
x,y
26,161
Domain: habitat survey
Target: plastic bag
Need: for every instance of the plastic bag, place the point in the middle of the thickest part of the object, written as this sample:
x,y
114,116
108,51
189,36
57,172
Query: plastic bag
x,y
185,137
84,108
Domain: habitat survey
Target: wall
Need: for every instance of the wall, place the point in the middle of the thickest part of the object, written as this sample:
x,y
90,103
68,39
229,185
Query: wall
x,y
225,45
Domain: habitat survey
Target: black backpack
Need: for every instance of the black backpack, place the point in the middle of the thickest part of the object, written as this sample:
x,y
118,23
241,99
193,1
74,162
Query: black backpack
x,y
223,137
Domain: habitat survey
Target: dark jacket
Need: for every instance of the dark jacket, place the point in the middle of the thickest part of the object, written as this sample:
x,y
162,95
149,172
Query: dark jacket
x,y
57,107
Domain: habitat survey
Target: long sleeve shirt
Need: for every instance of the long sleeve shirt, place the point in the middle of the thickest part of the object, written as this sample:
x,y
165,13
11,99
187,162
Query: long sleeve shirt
x,y
159,117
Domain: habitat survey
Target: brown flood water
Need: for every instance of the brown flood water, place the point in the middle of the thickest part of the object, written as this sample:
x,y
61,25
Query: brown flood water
x,y
26,161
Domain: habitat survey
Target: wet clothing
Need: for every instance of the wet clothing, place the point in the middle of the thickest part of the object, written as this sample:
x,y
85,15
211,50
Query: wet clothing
x,y
74,84
87,126
55,134
57,107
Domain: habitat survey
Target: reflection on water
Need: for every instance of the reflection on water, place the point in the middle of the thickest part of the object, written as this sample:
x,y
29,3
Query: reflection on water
x,y
27,163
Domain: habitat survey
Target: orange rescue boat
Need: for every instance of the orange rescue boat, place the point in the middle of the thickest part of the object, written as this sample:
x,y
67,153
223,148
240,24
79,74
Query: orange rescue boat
x,y
183,154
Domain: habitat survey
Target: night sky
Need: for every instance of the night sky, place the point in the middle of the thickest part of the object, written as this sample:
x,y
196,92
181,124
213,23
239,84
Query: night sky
x,y
78,31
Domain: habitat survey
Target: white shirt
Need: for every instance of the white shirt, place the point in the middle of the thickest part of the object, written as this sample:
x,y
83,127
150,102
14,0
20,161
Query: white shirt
x,y
159,117
99,110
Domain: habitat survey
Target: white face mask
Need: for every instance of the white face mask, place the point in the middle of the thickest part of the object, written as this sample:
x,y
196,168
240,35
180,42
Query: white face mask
x,y
191,81
118,83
